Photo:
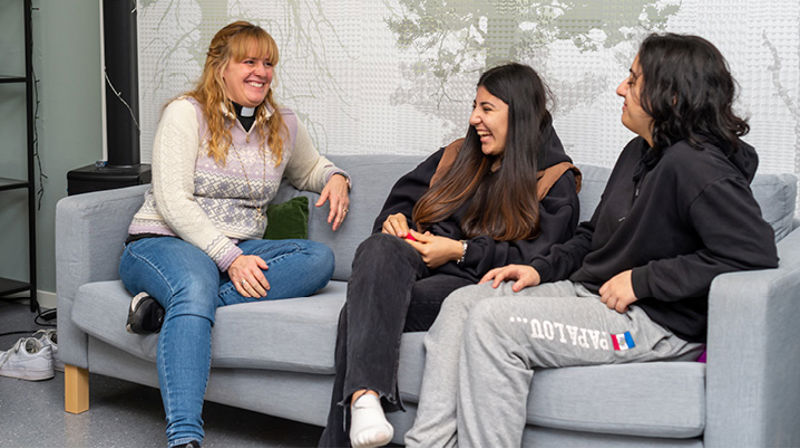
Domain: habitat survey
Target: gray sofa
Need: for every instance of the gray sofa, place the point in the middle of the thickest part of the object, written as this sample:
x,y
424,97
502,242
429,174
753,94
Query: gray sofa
x,y
277,357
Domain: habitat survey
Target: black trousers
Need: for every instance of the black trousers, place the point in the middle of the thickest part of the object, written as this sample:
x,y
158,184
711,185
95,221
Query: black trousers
x,y
390,291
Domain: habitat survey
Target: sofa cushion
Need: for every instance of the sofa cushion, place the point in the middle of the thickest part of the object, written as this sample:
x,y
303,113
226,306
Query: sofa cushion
x,y
295,335
659,399
593,182
776,195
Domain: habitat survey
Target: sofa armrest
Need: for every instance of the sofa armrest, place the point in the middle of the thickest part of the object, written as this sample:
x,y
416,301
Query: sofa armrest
x,y
752,392
90,231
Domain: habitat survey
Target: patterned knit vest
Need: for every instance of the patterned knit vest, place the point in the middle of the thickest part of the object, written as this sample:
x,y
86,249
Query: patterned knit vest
x,y
232,193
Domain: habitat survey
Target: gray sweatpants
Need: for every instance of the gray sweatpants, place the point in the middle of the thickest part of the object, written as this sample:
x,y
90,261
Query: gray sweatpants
x,y
485,343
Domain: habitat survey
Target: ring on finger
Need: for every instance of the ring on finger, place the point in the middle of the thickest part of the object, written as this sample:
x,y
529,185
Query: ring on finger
x,y
243,282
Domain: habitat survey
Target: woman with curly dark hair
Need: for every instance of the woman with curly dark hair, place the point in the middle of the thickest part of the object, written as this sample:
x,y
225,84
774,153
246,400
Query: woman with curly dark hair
x,y
632,284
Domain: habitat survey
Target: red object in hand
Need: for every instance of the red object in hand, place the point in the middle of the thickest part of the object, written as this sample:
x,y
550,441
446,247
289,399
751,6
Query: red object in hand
x,y
409,236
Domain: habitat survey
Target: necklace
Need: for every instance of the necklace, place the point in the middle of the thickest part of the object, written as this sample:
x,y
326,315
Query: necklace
x,y
247,178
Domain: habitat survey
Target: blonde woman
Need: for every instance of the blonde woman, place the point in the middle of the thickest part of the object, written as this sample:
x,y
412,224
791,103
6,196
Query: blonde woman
x,y
219,155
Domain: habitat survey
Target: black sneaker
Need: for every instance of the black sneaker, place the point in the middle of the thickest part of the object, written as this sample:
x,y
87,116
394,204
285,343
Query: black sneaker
x,y
192,444
145,315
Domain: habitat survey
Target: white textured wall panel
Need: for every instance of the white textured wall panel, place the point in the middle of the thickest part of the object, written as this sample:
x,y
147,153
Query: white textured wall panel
x,y
397,76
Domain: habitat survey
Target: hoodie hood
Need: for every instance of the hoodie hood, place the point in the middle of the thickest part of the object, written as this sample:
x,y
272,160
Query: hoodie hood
x,y
552,152
745,159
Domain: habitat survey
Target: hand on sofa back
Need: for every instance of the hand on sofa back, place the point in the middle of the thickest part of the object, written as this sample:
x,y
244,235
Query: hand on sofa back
x,y
372,178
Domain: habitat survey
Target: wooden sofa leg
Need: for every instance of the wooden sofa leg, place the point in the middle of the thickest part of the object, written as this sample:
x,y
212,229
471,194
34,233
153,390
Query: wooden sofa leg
x,y
76,389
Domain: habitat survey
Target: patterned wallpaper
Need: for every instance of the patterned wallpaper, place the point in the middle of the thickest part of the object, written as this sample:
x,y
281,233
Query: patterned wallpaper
x,y
398,76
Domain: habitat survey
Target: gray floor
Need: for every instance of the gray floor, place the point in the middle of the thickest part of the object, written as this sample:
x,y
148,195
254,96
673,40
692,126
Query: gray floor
x,y
121,414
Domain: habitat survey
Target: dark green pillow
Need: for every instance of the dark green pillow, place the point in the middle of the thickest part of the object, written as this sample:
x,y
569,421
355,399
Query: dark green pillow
x,y
287,220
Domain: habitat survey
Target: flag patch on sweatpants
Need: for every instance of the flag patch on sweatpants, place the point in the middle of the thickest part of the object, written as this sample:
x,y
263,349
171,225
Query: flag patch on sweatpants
x,y
622,341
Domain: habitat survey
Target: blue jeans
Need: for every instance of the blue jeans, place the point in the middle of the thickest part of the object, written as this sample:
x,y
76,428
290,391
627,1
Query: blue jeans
x,y
190,287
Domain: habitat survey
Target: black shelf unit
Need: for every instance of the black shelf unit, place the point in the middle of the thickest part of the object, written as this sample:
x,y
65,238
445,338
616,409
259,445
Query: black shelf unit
x,y
11,286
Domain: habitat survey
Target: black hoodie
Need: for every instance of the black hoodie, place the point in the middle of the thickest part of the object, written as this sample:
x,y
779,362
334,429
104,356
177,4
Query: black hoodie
x,y
558,216
677,221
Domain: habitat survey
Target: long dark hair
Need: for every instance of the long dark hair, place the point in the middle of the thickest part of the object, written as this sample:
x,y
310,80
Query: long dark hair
x,y
503,204
688,91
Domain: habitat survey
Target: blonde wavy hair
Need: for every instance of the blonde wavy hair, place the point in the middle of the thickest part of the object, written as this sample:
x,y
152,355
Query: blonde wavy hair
x,y
235,42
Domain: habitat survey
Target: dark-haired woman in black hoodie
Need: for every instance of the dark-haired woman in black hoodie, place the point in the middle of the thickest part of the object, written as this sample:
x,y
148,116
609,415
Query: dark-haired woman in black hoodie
x,y
632,284
506,192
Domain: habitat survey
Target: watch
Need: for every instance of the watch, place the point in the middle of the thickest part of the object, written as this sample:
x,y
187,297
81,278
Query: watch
x,y
463,252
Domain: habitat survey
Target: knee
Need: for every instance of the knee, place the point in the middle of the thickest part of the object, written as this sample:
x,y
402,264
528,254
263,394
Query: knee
x,y
196,294
463,299
378,243
484,323
482,315
454,313
320,256
493,334
382,252
321,261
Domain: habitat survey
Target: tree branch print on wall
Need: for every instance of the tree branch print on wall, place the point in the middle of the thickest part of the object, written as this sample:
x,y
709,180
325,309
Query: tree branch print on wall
x,y
452,42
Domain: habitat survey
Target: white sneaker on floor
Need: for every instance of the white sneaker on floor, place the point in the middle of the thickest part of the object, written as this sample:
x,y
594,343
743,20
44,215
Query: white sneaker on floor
x,y
50,337
28,359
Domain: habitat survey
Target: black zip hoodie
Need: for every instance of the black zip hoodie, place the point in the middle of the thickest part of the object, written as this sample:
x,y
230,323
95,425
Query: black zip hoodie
x,y
558,216
678,219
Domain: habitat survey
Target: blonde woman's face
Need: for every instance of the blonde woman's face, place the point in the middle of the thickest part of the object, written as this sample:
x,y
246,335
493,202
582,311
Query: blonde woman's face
x,y
248,81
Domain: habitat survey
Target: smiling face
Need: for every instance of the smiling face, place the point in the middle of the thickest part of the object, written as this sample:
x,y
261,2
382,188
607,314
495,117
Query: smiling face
x,y
247,81
633,116
490,118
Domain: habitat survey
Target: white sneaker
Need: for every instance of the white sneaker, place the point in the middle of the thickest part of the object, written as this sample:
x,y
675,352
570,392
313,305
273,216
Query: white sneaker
x,y
28,359
50,337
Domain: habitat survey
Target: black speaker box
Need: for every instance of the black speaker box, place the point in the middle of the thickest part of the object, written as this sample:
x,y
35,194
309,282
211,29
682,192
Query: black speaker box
x,y
95,178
